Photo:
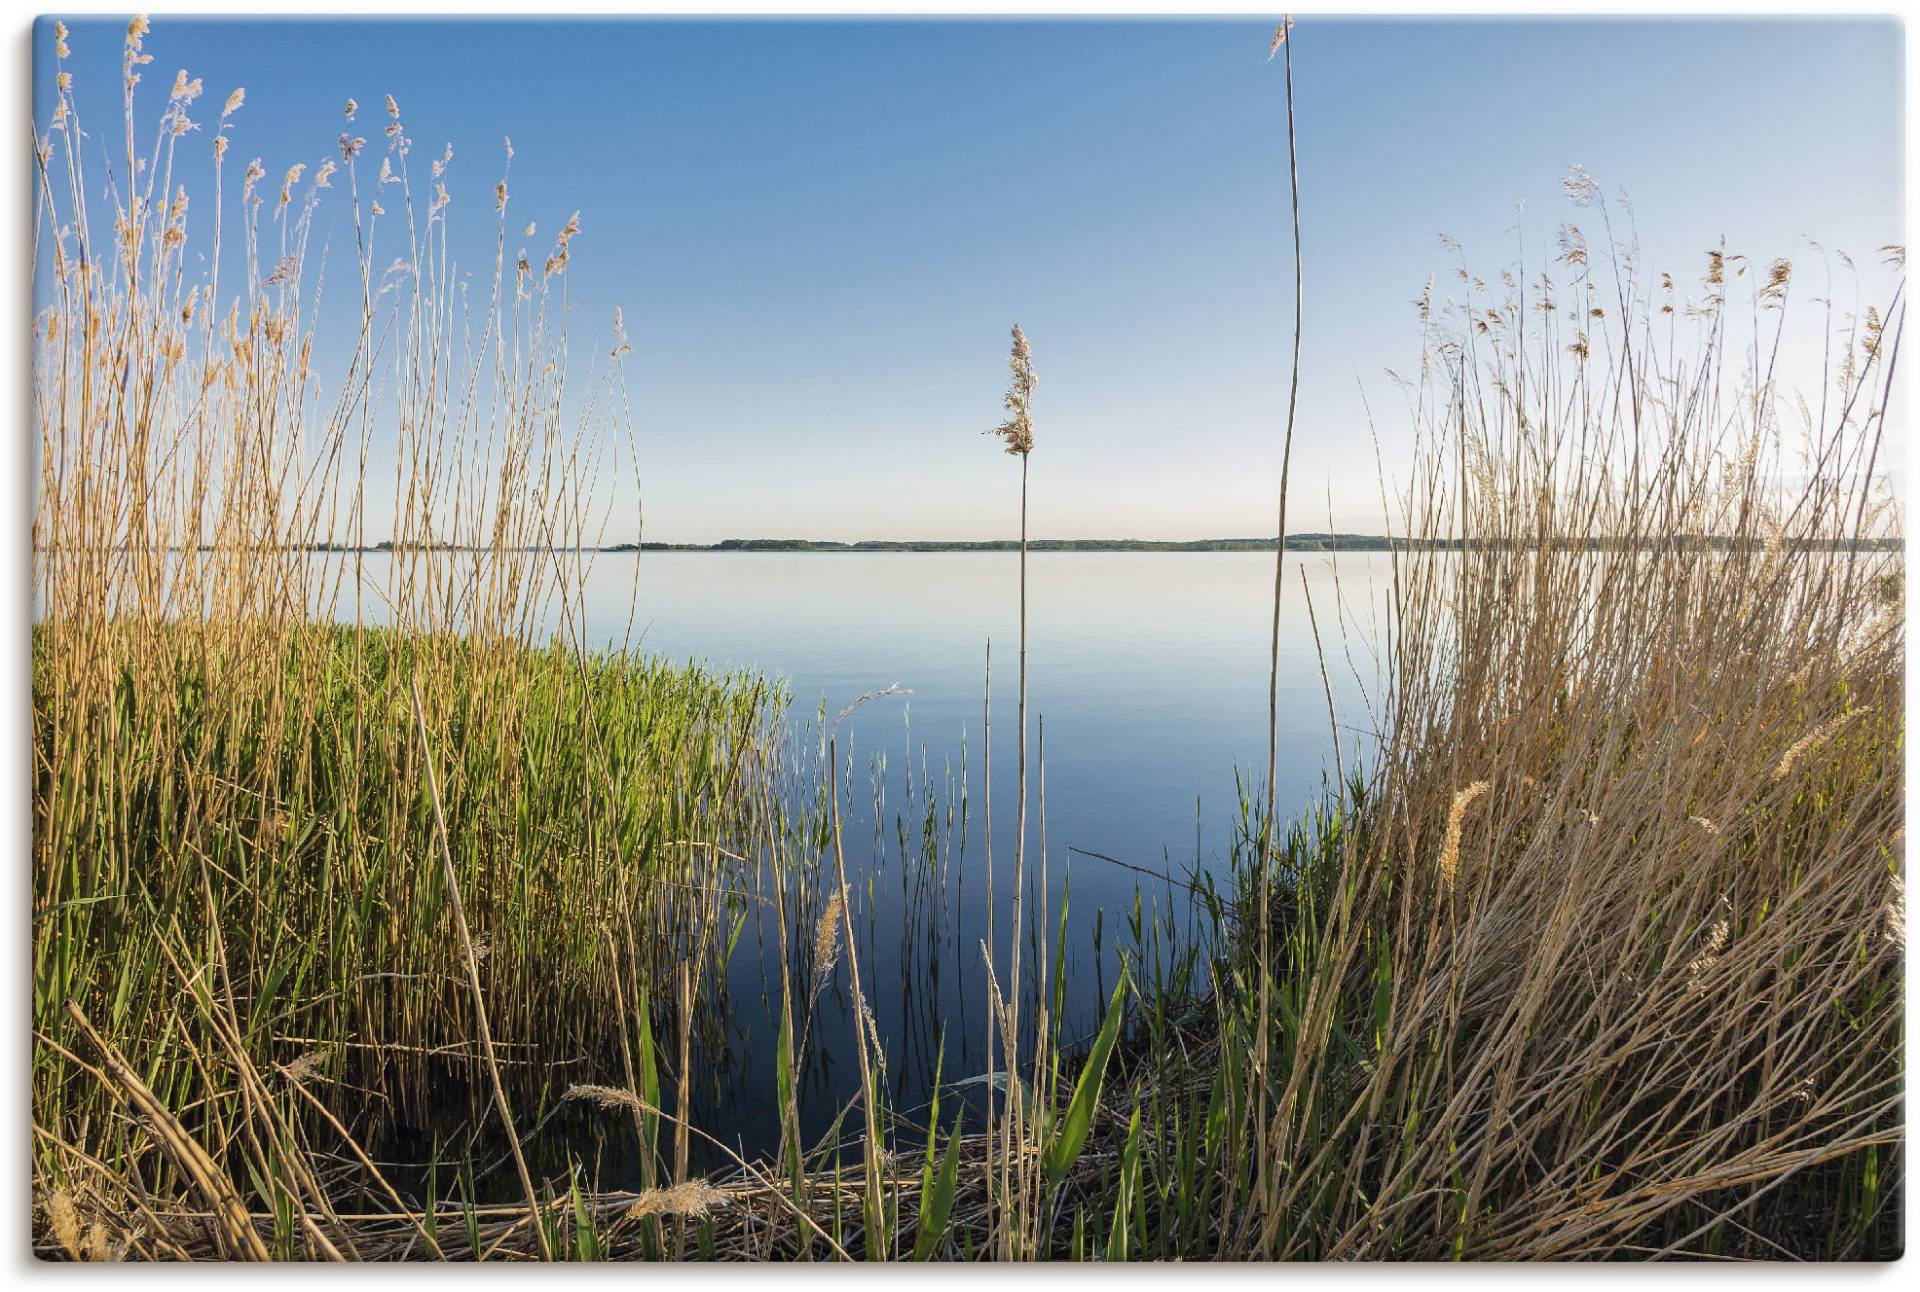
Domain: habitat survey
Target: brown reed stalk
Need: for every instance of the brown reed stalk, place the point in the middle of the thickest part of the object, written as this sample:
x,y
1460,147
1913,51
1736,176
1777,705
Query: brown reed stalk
x,y
232,1229
1017,433
1283,44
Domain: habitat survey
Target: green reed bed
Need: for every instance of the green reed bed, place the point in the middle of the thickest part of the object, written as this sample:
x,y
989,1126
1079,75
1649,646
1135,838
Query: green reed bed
x,y
250,813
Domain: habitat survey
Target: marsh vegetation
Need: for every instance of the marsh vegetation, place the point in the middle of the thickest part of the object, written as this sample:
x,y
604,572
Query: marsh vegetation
x,y
407,934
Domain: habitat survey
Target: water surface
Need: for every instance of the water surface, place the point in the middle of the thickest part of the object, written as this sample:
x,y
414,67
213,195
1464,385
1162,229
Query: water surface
x,y
1148,673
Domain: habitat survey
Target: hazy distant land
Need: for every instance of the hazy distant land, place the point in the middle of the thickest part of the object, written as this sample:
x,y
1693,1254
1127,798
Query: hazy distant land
x,y
1295,543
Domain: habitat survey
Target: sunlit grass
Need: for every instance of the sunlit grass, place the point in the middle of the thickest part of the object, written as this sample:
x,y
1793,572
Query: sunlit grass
x,y
1599,955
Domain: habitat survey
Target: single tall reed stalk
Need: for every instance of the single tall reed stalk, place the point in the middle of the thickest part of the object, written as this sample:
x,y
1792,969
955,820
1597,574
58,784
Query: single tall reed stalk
x,y
1283,45
1017,433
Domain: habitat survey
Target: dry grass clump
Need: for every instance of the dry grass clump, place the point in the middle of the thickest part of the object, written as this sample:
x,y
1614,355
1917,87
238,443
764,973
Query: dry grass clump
x,y
1658,1018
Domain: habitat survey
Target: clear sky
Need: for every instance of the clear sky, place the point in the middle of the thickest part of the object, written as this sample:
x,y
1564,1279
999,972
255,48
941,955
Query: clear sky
x,y
821,232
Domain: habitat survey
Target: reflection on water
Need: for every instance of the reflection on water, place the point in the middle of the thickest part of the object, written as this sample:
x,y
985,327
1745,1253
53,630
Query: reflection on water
x,y
1148,677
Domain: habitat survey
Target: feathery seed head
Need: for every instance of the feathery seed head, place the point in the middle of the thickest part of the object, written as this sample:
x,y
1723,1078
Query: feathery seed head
x,y
64,1220
1017,430
1774,293
604,1097
694,1199
1279,37
1784,768
1573,245
557,261
1456,816
136,32
826,941
1709,955
1580,186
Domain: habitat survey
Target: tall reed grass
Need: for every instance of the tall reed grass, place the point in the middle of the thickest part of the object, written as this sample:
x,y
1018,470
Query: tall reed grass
x,y
1597,954
1598,964
235,830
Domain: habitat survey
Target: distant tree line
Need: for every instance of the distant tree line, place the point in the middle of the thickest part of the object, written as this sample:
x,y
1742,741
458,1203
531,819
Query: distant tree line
x,y
1295,543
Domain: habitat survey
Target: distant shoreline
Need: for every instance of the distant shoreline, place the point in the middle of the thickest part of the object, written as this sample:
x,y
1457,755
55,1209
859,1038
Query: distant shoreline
x,y
1295,543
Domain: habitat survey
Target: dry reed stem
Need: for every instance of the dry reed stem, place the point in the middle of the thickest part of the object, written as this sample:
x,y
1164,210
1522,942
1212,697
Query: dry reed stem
x,y
1262,1027
231,1228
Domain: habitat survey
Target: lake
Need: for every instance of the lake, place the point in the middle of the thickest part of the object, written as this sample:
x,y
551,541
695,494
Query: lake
x,y
1148,672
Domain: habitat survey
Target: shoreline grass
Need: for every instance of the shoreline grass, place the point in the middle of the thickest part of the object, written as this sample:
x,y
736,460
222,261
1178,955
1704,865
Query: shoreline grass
x,y
1601,956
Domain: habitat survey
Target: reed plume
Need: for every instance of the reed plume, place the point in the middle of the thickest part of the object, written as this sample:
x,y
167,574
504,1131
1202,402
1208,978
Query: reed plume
x,y
691,1199
1456,817
826,942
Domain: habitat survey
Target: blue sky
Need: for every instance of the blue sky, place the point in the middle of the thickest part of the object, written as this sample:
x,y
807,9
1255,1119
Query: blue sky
x,y
821,232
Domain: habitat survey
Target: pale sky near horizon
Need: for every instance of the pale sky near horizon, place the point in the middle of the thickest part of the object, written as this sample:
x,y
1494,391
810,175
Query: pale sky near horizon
x,y
820,232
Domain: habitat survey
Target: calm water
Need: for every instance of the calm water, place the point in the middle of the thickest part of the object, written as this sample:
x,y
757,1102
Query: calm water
x,y
1149,671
